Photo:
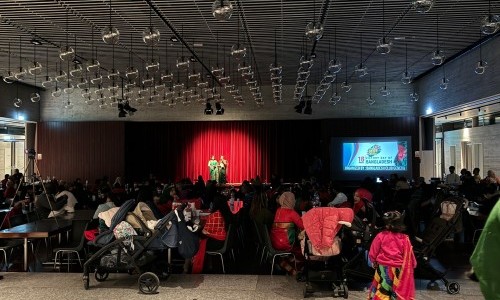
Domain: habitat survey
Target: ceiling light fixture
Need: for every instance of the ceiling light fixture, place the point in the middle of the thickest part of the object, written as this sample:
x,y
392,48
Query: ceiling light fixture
x,y
481,64
384,91
239,51
151,34
9,77
384,44
334,65
17,101
93,66
110,34
67,53
490,23
361,70
370,99
414,95
438,55
222,10
21,75
131,73
406,78
443,84
47,83
346,86
423,6
314,30
335,98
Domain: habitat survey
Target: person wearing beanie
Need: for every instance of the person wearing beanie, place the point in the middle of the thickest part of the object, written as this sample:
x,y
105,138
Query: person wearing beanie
x,y
392,257
284,230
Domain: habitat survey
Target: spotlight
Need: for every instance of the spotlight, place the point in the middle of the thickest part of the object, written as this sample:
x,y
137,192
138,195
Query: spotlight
x,y
219,110
128,108
208,109
192,59
121,110
298,108
174,39
308,109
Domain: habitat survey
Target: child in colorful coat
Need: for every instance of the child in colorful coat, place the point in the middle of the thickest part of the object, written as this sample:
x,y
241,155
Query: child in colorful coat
x,y
392,257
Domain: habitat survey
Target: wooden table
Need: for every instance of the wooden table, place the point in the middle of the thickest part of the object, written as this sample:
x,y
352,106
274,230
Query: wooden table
x,y
37,229
80,215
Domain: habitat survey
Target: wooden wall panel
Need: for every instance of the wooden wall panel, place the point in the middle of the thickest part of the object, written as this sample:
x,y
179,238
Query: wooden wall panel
x,y
88,150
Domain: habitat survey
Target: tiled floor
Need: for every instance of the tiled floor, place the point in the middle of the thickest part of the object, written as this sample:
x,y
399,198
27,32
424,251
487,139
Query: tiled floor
x,y
56,285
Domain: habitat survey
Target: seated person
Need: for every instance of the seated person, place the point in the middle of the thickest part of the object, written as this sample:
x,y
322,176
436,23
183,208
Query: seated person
x,y
109,202
287,224
339,200
491,178
45,203
214,232
452,179
70,205
363,207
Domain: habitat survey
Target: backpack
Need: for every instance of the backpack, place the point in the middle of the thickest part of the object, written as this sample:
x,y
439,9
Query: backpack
x,y
188,242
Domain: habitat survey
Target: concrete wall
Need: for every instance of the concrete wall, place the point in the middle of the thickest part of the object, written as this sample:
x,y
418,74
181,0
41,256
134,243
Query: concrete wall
x,y
489,136
8,92
465,85
352,105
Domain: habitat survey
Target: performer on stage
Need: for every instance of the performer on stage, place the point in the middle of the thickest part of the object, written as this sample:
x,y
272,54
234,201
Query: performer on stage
x,y
222,170
212,167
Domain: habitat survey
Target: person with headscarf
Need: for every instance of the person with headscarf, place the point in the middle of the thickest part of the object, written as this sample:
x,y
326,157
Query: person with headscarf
x,y
363,207
287,223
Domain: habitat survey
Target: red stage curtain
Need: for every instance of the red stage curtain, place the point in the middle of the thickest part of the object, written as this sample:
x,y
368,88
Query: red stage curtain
x,y
244,145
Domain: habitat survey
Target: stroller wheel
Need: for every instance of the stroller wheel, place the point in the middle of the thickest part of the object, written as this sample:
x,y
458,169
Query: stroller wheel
x,y
148,283
86,282
346,292
307,290
453,288
100,276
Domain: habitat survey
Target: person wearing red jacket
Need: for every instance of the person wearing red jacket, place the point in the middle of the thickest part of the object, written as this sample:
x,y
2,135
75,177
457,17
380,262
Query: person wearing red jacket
x,y
284,230
392,257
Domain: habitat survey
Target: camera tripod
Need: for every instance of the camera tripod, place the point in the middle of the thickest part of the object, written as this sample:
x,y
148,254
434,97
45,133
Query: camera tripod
x,y
31,163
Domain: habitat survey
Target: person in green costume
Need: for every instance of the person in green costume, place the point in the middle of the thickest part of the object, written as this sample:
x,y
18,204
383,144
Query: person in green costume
x,y
212,167
485,259
222,170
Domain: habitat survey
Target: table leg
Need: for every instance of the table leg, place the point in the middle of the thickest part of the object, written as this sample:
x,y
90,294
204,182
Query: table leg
x,y
25,254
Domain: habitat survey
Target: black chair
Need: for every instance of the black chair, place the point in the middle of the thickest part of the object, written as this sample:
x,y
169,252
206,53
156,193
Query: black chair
x,y
9,245
75,245
259,242
225,248
17,220
270,249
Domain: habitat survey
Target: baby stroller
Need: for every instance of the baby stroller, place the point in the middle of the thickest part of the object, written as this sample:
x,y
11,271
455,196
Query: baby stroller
x,y
321,248
359,237
131,253
447,222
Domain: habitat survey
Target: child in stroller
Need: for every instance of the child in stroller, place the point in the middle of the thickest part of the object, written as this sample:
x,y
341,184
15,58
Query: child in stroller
x,y
321,246
123,250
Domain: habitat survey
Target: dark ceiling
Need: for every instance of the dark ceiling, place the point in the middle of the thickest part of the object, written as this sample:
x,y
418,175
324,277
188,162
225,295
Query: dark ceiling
x,y
264,24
